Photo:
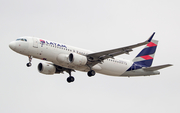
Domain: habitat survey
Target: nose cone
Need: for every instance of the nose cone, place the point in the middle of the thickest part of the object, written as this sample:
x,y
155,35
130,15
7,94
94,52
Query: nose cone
x,y
12,45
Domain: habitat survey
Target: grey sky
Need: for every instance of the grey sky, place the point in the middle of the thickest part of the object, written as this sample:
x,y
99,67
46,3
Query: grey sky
x,y
96,25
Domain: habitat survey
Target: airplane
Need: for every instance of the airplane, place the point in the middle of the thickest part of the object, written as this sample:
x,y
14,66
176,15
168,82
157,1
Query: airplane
x,y
64,58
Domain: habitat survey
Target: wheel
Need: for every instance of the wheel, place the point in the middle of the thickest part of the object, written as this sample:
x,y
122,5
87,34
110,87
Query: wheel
x,y
28,64
70,79
91,73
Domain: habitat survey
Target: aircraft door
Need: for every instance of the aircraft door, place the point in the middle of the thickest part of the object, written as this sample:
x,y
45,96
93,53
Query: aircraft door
x,y
35,42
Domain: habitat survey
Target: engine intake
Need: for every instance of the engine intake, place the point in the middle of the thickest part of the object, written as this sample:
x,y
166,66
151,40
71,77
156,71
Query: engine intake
x,y
71,58
77,59
46,68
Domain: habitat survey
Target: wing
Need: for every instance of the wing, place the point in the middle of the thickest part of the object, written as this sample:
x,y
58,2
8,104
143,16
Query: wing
x,y
98,57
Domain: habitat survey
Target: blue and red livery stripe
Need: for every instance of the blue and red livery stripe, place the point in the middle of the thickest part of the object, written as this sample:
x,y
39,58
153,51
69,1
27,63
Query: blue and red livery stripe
x,y
145,57
147,51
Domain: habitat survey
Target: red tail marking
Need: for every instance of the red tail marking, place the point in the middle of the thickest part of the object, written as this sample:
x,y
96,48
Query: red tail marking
x,y
151,44
147,57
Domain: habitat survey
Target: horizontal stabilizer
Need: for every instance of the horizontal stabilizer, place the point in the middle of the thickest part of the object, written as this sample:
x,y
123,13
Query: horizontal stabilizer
x,y
155,68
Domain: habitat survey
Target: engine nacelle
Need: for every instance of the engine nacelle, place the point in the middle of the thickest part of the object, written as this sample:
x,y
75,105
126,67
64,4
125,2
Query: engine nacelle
x,y
46,68
63,58
72,59
77,59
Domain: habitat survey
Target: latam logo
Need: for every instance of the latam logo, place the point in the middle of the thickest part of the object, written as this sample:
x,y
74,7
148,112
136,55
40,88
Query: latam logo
x,y
42,41
51,43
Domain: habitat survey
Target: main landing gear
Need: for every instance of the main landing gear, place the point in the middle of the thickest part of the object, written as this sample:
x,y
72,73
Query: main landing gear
x,y
70,78
30,59
91,73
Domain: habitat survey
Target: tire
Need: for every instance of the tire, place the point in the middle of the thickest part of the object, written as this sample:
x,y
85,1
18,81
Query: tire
x,y
91,73
28,64
70,79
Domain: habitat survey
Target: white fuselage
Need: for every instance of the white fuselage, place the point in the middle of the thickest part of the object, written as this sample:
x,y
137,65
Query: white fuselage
x,y
49,51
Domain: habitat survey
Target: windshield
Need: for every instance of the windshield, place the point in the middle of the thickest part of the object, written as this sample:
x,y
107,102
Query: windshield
x,y
21,39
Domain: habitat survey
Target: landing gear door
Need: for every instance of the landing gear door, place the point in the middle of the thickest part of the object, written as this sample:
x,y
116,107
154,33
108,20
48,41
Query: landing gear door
x,y
35,42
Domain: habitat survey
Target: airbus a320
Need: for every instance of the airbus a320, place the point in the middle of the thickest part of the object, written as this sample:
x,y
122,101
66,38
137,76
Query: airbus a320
x,y
64,58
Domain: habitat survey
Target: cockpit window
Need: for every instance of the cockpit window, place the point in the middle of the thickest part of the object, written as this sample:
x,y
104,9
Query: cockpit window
x,y
22,39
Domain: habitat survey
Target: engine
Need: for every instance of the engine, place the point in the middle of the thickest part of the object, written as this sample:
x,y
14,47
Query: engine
x,y
77,59
63,58
72,59
46,68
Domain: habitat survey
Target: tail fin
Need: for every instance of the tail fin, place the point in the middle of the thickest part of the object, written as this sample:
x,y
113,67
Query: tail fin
x,y
146,56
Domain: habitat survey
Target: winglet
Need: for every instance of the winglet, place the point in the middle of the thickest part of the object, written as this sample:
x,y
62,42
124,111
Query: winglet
x,y
150,38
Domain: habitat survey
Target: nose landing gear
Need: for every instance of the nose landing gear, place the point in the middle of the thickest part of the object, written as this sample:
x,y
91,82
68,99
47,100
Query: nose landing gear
x,y
28,64
30,59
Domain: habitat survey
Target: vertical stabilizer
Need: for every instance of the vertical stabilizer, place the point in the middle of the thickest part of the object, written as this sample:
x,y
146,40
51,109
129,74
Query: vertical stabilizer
x,y
146,56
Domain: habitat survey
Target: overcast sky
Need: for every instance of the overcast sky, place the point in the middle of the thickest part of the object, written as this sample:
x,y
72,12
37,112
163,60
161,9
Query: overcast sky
x,y
95,25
